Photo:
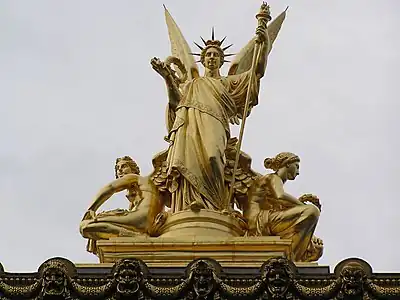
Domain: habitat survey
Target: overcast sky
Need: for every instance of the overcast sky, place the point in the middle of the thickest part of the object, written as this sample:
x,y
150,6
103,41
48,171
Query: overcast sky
x,y
77,91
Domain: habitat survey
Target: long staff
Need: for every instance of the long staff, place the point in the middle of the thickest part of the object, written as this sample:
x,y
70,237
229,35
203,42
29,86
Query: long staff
x,y
262,17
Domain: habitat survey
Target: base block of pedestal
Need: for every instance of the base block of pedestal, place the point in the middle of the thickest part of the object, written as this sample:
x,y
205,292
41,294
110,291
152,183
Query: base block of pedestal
x,y
178,252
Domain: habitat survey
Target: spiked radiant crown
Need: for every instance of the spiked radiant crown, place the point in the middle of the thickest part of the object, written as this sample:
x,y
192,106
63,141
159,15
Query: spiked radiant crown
x,y
213,43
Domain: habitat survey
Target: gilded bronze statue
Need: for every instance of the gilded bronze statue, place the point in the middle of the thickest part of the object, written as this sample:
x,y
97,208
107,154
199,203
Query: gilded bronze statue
x,y
146,203
200,109
271,211
203,186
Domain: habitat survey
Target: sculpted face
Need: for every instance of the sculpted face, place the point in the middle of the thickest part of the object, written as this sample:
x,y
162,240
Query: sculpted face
x,y
203,279
293,170
53,282
353,278
212,59
122,167
277,276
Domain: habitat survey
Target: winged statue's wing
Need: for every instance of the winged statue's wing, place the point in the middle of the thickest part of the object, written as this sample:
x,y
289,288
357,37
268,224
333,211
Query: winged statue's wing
x,y
180,47
159,174
243,59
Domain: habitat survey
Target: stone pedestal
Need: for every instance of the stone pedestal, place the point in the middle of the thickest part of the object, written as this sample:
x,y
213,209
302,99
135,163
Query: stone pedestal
x,y
188,235
205,223
179,251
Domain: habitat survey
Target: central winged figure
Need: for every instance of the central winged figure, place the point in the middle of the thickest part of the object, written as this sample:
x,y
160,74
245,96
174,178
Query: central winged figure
x,y
200,109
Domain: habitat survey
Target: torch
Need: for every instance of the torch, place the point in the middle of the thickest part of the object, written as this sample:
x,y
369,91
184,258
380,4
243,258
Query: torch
x,y
263,17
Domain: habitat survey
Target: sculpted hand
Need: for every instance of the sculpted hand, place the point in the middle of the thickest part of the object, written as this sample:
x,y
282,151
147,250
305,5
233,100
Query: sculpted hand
x,y
261,33
263,17
160,67
312,199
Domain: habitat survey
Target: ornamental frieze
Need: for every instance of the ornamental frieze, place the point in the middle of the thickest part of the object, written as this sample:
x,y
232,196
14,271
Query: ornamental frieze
x,y
202,279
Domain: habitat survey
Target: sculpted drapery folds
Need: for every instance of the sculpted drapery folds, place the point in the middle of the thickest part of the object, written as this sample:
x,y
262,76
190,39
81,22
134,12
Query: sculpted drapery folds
x,y
203,176
199,112
272,211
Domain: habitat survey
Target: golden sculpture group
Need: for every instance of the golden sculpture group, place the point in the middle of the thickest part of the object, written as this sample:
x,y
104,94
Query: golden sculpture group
x,y
203,185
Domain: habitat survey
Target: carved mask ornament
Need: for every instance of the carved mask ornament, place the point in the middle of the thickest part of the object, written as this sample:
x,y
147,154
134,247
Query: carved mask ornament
x,y
353,277
277,276
128,276
54,280
203,281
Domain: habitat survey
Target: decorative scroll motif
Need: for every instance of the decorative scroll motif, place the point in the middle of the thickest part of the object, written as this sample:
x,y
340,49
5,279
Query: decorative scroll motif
x,y
57,278
10,291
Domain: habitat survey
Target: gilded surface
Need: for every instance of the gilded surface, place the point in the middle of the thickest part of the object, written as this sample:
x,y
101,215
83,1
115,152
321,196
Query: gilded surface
x,y
203,169
202,279
272,211
146,204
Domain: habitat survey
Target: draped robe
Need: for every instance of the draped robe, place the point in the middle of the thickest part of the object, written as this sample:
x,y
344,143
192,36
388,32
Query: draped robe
x,y
269,216
198,138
